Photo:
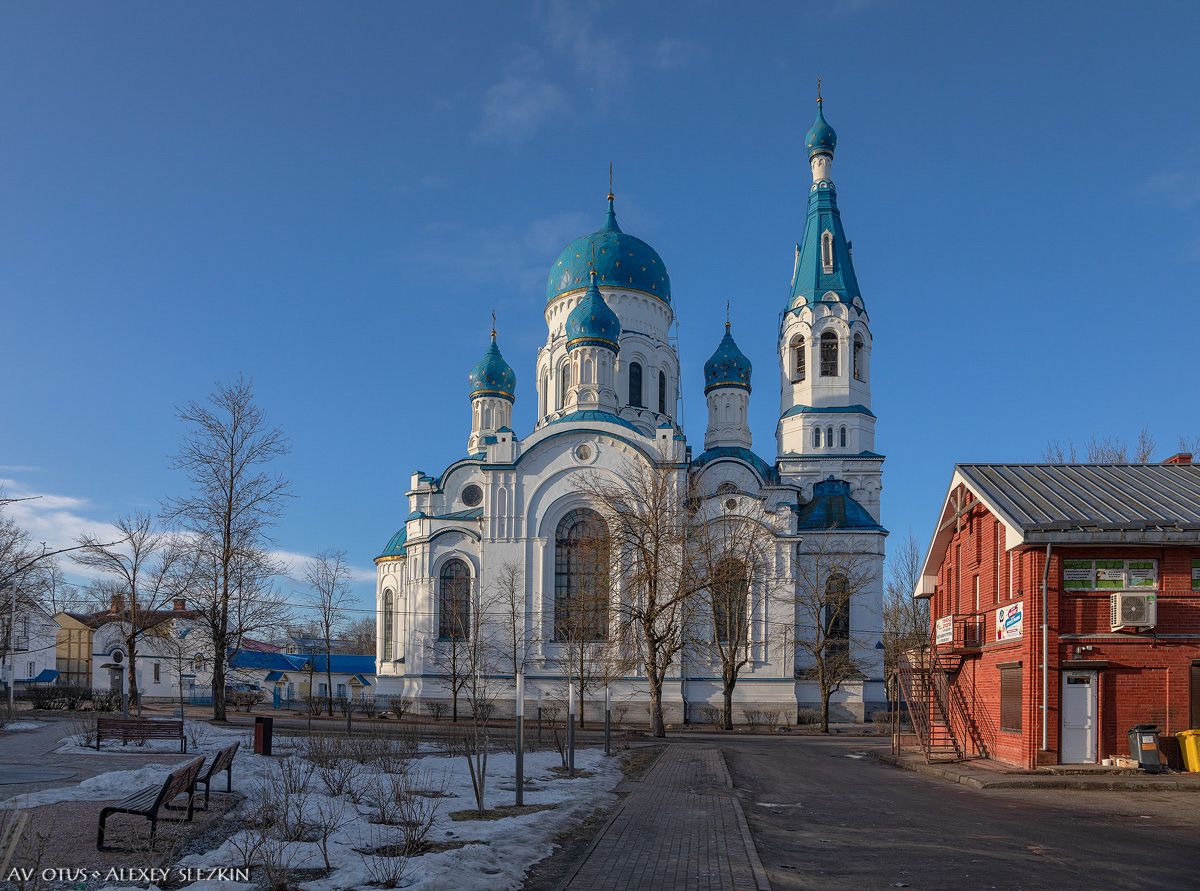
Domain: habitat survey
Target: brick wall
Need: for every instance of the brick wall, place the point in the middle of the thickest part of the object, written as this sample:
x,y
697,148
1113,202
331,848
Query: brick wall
x,y
1143,677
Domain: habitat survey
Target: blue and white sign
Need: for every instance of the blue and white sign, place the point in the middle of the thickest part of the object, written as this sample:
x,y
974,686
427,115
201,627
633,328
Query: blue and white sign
x,y
1010,621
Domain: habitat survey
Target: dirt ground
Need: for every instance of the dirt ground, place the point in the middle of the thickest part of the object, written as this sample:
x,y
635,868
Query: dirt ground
x,y
63,836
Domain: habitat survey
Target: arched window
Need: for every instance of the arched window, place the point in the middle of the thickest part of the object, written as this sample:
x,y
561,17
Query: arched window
x,y
635,384
829,437
827,251
858,358
836,617
842,437
581,590
730,596
829,354
454,601
198,662
388,625
662,392
544,393
799,362
564,384
816,437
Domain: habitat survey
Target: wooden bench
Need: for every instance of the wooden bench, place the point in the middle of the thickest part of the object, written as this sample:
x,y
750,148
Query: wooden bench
x,y
139,729
222,762
149,801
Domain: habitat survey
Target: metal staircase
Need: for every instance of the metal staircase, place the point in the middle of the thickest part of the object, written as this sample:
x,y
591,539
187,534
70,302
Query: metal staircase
x,y
925,690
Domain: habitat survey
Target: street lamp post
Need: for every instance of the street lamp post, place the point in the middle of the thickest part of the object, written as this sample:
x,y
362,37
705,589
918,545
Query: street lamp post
x,y
570,729
519,713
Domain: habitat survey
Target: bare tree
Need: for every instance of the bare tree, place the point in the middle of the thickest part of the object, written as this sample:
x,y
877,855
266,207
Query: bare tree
x,y
737,552
140,578
1107,450
830,576
651,521
1056,453
328,578
29,566
506,601
451,650
582,620
1189,446
1143,449
361,635
480,689
234,501
905,619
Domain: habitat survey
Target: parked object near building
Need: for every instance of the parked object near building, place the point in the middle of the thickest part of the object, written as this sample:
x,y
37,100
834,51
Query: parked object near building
x,y
1065,609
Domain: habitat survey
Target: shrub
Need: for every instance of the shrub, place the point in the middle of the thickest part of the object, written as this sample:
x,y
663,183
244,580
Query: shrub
x,y
808,716
754,716
710,714
399,706
772,716
436,709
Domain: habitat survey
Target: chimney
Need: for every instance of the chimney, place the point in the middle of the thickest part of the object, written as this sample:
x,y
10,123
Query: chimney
x,y
1180,458
118,602
180,604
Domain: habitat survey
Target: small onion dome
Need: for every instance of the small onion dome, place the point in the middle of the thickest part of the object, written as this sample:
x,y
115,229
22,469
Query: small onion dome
x,y
396,546
592,322
821,139
493,376
728,366
621,260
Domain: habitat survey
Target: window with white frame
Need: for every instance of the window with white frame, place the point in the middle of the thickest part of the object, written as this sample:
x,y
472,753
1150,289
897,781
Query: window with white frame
x,y
829,354
827,251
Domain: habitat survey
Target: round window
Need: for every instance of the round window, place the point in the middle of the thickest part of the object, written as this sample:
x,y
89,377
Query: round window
x,y
583,452
118,657
731,504
472,495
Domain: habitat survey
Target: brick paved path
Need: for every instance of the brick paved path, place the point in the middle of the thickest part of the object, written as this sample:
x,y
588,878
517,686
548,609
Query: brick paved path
x,y
682,829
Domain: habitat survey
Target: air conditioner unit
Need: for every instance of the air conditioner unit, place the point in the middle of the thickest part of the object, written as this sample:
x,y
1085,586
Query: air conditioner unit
x,y
1133,611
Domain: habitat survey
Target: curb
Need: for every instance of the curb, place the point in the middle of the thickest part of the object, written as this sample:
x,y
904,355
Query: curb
x,y
761,882
1030,782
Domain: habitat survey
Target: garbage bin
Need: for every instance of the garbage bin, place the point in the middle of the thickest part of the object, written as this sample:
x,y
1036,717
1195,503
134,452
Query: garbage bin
x,y
262,735
1143,747
1189,744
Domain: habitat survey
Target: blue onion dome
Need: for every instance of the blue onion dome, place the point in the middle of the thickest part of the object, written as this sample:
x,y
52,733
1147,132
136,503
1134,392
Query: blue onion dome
x,y
821,137
728,366
492,376
592,322
622,261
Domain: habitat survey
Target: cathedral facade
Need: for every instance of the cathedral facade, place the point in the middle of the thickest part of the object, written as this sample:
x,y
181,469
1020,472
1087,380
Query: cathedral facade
x,y
607,385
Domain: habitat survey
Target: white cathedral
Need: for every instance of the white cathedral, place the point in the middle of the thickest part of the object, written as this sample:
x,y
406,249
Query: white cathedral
x,y
608,389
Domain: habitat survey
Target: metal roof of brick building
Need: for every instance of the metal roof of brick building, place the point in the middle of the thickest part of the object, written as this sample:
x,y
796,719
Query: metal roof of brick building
x,y
1159,501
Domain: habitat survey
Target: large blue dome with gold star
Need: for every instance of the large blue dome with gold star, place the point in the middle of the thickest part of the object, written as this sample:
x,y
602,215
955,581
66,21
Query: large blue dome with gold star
x,y
621,261
727,367
492,376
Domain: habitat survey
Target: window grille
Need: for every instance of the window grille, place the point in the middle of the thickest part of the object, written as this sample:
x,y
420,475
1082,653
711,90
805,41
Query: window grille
x,y
454,600
829,354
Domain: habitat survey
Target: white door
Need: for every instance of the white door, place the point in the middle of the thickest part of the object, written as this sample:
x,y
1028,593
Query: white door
x,y
1079,717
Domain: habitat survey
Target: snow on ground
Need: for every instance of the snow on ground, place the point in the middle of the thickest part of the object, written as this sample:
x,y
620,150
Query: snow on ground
x,y
497,855
119,783
499,851
24,725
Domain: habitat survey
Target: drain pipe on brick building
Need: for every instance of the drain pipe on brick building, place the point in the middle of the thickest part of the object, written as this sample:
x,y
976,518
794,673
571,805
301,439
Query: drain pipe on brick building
x,y
1046,653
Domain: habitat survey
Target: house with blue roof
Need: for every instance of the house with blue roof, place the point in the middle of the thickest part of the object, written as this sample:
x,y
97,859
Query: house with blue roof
x,y
291,676
606,382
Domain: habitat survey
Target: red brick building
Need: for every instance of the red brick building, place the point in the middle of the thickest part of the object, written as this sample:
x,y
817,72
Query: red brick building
x,y
1065,608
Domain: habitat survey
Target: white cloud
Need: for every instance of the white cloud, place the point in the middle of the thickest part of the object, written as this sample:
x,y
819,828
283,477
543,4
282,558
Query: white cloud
x,y
1180,188
294,562
57,520
673,53
516,108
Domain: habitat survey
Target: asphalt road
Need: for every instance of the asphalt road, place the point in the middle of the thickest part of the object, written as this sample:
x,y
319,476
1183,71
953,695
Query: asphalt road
x,y
825,815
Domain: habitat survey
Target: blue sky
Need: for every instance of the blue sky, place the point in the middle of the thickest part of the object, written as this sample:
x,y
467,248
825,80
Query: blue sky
x,y
330,198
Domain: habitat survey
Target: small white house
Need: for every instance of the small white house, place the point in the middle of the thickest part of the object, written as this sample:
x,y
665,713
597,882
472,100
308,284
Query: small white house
x,y
33,632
